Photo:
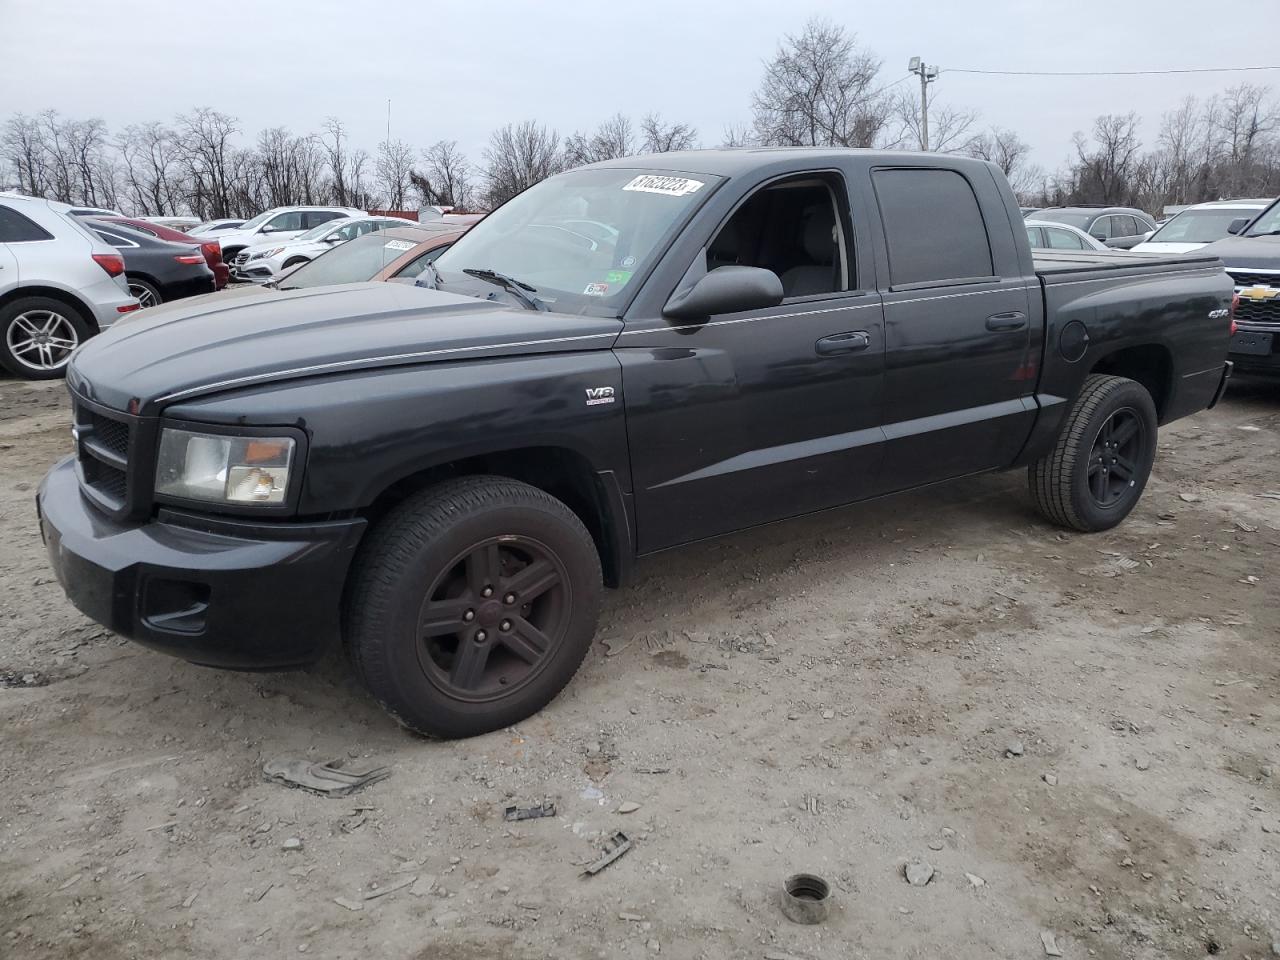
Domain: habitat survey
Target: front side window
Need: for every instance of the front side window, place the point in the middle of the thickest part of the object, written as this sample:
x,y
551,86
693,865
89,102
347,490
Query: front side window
x,y
584,239
1101,229
792,228
933,226
17,228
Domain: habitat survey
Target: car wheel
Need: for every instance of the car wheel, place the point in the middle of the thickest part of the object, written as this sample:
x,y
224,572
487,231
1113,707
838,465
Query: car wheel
x,y
1095,473
38,335
146,293
471,605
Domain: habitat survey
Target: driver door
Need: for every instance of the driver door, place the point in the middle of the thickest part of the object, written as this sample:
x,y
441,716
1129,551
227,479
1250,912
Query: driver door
x,y
756,416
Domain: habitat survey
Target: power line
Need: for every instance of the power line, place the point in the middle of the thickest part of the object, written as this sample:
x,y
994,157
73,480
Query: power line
x,y
1106,73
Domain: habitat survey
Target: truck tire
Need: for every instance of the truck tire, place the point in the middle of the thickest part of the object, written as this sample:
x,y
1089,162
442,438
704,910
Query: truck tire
x,y
471,605
1095,473
37,335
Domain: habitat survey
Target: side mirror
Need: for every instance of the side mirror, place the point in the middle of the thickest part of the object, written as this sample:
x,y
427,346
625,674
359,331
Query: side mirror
x,y
333,238
1237,225
268,229
1100,237
726,290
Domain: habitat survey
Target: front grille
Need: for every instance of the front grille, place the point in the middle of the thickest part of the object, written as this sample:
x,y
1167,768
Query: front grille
x,y
241,259
1244,278
103,450
1264,312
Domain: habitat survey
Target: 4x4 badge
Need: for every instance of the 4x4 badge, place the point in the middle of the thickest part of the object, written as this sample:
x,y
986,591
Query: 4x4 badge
x,y
598,395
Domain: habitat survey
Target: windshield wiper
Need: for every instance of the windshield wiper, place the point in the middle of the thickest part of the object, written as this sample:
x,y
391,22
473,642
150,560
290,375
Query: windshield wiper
x,y
521,291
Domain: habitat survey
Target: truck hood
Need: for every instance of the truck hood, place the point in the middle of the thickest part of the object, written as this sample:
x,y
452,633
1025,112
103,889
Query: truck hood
x,y
1247,253
179,352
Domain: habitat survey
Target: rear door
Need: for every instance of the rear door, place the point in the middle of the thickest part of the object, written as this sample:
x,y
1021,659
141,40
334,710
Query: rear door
x,y
958,374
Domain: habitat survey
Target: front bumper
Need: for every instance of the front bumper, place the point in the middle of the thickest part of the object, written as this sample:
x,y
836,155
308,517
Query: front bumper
x,y
223,593
1255,349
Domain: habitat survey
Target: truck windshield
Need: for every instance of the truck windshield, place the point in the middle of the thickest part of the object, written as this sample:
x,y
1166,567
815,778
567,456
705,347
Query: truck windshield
x,y
1199,226
581,240
1266,224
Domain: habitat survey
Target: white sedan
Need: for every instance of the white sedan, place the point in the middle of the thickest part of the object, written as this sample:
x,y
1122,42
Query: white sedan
x,y
1049,235
1201,224
268,260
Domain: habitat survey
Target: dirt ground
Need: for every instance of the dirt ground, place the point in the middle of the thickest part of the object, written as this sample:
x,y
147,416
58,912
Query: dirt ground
x,y
836,695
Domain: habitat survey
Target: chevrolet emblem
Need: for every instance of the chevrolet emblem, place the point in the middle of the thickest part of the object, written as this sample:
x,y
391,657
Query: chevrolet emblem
x,y
1260,293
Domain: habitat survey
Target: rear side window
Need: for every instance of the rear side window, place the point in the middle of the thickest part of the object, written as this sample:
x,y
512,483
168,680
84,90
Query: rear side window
x,y
1101,229
314,218
16,228
933,226
1063,239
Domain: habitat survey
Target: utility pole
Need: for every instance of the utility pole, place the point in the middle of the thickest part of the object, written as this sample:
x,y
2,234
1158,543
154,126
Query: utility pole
x,y
927,75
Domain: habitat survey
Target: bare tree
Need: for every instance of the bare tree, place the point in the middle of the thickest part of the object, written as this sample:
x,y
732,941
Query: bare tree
x,y
447,176
610,140
738,135
206,137
393,168
659,137
518,156
150,158
818,90
1105,167
1011,154
950,128
26,153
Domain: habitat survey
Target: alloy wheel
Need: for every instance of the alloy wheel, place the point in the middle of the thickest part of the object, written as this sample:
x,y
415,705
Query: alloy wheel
x,y
493,619
142,294
42,339
1115,457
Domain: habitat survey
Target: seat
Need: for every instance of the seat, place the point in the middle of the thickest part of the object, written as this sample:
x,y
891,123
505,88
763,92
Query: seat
x,y
819,241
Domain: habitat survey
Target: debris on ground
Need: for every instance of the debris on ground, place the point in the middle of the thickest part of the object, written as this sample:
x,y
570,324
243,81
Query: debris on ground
x,y
332,778
1050,944
1188,498
392,887
1014,749
628,806
918,872
293,843
975,880
544,809
423,885
1050,779
1142,762
352,905
614,848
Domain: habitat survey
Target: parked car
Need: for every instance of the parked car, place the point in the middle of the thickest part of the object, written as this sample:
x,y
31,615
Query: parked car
x,y
59,285
1252,256
265,261
279,223
1028,211
211,249
1047,235
445,477
1118,227
1198,225
156,270
211,227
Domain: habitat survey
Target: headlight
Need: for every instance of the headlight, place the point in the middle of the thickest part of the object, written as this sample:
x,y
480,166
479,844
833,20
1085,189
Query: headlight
x,y
224,469
265,253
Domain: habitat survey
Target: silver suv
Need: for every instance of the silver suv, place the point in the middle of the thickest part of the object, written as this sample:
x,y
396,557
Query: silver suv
x,y
59,285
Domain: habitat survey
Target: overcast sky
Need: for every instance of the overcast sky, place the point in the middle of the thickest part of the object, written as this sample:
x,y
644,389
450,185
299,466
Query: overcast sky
x,y
456,69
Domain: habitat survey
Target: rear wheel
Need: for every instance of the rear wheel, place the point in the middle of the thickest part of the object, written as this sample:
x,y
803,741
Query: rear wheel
x,y
37,335
145,292
1096,472
472,605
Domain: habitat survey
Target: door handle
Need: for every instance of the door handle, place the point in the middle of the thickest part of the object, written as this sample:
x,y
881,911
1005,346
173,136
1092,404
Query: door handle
x,y
1014,320
850,342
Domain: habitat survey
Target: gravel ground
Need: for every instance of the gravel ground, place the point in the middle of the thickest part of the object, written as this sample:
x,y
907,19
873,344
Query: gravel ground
x,y
1079,734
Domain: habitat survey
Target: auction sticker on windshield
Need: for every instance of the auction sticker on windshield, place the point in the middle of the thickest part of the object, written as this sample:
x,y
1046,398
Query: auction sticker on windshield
x,y
399,245
671,186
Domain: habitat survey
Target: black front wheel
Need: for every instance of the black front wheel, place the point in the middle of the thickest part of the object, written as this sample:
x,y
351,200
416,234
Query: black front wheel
x,y
472,604
1097,470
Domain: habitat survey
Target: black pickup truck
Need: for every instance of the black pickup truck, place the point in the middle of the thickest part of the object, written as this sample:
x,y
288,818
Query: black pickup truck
x,y
625,358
